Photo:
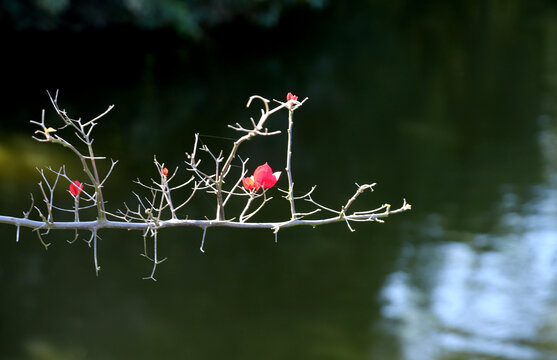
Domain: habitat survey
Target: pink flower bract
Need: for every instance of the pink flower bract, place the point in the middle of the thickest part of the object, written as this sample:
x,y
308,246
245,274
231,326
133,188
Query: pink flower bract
x,y
75,188
290,97
263,177
249,183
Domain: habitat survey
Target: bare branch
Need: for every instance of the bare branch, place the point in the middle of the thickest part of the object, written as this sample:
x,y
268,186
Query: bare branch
x,y
321,206
156,210
100,116
361,189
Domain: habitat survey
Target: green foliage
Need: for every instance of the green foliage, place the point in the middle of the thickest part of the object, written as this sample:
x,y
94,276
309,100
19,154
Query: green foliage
x,y
186,17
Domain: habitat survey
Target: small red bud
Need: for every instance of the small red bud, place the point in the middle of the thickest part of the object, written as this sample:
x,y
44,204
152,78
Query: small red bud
x,y
75,188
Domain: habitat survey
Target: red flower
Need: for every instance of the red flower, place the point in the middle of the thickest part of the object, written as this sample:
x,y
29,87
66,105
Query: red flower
x,y
249,183
290,97
263,177
164,171
75,188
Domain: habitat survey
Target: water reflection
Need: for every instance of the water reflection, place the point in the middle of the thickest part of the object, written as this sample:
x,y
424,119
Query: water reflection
x,y
483,295
432,106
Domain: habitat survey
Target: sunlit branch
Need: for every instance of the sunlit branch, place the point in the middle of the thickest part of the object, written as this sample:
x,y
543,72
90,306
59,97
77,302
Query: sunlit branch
x,y
109,224
360,190
62,173
290,194
243,216
309,198
157,210
238,182
25,216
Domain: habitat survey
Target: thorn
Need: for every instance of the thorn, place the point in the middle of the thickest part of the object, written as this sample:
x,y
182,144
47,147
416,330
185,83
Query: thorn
x,y
203,240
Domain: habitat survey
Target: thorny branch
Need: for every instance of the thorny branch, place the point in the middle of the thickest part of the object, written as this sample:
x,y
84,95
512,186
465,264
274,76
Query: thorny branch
x,y
158,209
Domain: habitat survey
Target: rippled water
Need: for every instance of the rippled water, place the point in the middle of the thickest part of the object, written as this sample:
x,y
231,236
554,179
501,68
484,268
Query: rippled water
x,y
487,294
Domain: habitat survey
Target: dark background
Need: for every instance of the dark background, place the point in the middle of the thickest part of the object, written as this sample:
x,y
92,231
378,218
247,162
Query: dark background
x,y
450,105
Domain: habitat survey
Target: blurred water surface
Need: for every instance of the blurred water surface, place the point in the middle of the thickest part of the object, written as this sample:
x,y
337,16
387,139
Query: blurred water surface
x,y
451,106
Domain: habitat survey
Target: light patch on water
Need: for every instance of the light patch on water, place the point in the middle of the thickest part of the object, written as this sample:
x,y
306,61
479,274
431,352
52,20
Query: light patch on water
x,y
491,303
488,295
